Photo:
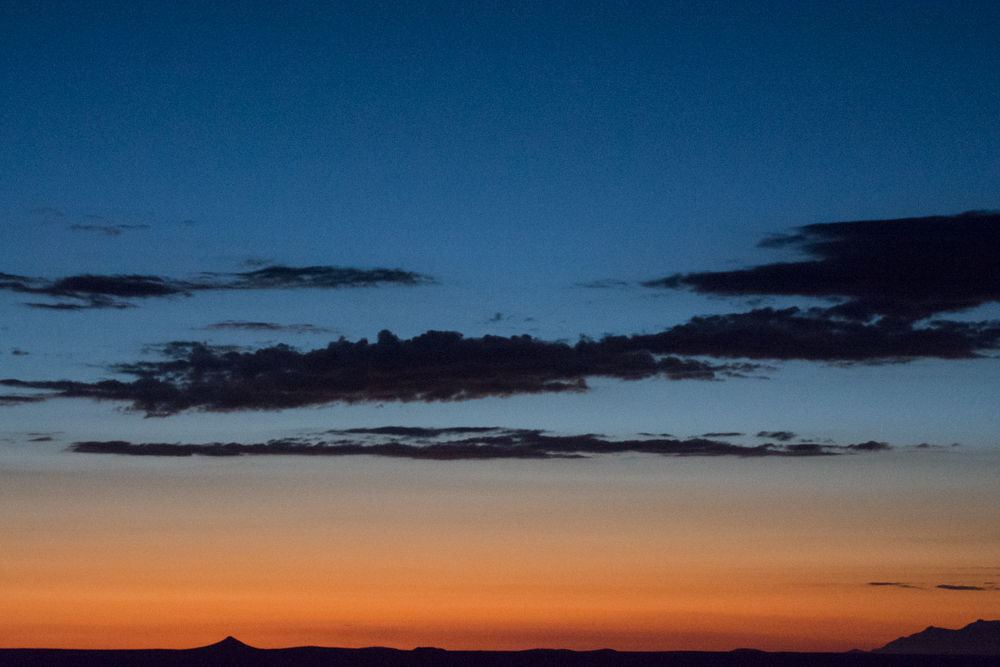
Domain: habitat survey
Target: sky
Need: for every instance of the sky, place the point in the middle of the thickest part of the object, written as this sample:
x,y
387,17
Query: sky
x,y
631,325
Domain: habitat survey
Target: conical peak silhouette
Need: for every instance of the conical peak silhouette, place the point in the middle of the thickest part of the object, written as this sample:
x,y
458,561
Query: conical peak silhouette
x,y
231,644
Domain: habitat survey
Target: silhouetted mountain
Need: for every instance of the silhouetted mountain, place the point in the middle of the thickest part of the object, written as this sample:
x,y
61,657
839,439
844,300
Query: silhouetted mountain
x,y
979,638
228,644
230,652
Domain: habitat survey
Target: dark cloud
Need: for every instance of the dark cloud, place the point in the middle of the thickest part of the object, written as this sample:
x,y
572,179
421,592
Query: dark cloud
x,y
946,587
15,283
435,366
107,230
266,326
89,291
907,269
451,444
416,431
870,446
732,434
92,291
17,399
284,277
783,436
808,449
890,277
18,352
607,284
44,438
180,349
91,303
813,335
127,286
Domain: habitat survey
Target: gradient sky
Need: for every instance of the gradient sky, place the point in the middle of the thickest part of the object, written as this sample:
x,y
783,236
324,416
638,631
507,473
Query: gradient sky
x,y
793,440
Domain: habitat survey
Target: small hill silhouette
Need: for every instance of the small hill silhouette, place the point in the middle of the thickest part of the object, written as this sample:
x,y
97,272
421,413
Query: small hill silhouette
x,y
230,644
979,638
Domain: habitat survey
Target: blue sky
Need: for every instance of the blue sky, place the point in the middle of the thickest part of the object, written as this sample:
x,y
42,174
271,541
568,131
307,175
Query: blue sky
x,y
574,139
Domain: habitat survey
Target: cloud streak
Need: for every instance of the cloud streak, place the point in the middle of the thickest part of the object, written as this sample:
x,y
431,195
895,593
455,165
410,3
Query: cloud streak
x,y
794,334
781,436
88,291
230,325
943,587
18,399
107,230
284,277
435,366
457,444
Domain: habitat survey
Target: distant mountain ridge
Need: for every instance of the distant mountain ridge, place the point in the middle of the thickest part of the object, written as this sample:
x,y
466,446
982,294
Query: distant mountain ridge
x,y
979,638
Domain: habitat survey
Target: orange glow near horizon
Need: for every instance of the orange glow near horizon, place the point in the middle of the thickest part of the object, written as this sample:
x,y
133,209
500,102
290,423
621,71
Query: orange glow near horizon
x,y
118,620
630,555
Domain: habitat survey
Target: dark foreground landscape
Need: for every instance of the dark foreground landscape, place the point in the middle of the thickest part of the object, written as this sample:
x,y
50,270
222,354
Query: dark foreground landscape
x,y
975,645
231,652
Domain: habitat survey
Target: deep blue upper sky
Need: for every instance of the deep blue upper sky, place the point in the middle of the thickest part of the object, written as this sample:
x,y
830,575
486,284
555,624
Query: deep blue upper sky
x,y
511,151
562,141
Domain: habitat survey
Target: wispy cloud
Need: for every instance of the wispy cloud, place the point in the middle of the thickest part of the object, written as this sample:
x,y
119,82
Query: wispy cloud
x,y
107,230
453,444
285,277
989,586
608,283
88,291
265,326
435,366
782,436
813,336
18,399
